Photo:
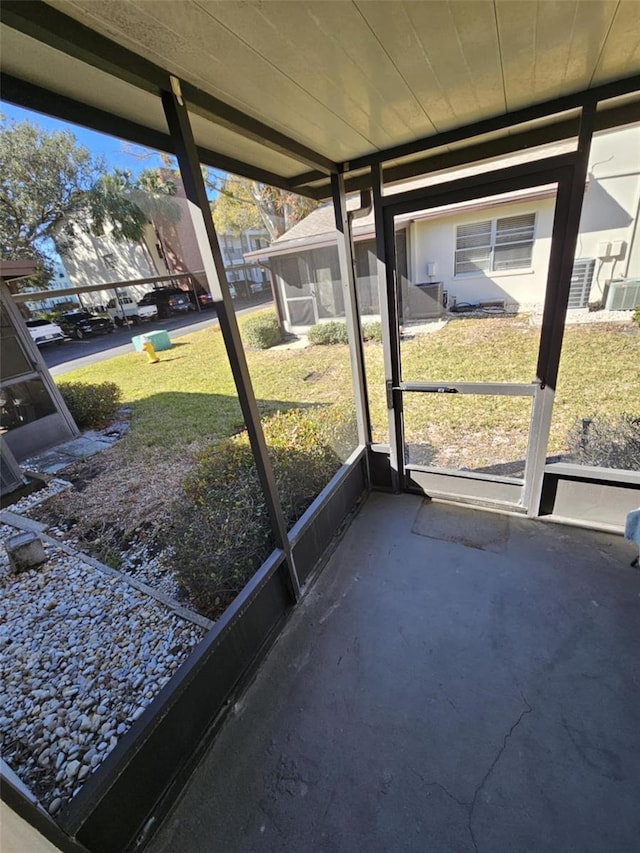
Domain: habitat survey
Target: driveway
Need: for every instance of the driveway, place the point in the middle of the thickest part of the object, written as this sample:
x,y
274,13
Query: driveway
x,y
74,354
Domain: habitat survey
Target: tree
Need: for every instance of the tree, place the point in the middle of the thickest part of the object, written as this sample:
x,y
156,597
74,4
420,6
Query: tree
x,y
242,204
49,186
153,192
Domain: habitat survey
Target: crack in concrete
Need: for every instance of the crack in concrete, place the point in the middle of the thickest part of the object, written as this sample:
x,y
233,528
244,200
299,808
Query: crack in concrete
x,y
470,807
461,803
486,776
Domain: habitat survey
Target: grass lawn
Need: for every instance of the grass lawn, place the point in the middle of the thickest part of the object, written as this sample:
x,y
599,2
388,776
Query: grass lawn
x,y
189,397
132,494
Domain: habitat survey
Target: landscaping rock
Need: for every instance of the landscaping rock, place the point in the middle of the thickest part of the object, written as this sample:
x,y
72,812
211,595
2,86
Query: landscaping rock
x,y
25,551
67,694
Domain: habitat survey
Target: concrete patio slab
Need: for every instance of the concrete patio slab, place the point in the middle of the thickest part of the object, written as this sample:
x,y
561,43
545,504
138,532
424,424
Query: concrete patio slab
x,y
431,696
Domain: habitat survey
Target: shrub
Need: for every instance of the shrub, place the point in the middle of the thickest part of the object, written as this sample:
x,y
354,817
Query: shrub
x,y
333,332
372,331
636,315
219,530
262,331
605,442
91,405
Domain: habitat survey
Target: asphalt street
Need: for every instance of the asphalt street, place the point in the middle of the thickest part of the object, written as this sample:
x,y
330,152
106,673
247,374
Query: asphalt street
x,y
61,358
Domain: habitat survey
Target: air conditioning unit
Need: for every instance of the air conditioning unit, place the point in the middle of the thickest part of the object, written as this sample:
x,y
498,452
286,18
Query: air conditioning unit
x,y
581,279
422,301
623,294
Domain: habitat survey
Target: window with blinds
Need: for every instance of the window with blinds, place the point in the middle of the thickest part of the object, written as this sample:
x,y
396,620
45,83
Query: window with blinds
x,y
495,244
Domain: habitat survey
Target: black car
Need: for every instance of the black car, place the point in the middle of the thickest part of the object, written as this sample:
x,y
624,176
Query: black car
x,y
168,300
79,324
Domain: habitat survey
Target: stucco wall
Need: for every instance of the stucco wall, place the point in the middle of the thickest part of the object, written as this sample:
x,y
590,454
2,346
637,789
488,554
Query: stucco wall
x,y
434,240
92,260
610,211
611,205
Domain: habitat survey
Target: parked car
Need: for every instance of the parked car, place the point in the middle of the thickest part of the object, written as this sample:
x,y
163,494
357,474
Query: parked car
x,y
79,324
43,332
205,299
128,309
168,300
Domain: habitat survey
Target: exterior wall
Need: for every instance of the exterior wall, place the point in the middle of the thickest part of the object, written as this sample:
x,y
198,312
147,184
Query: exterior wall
x,y
92,260
58,281
610,218
244,276
434,241
611,203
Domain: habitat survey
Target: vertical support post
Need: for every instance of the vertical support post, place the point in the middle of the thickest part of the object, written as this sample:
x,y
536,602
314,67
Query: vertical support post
x,y
352,314
567,232
566,227
390,329
207,241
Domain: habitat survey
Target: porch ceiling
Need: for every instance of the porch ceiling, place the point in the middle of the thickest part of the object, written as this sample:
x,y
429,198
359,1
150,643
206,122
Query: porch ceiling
x,y
292,87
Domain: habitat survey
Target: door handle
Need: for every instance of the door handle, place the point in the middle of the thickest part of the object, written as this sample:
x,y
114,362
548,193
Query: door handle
x,y
441,389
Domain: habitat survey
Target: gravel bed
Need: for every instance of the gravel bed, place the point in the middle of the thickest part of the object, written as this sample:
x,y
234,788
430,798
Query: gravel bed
x,y
29,502
82,654
586,318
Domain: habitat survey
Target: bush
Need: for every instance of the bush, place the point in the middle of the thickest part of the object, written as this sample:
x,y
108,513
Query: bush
x,y
333,332
220,531
262,331
91,405
607,443
636,315
372,332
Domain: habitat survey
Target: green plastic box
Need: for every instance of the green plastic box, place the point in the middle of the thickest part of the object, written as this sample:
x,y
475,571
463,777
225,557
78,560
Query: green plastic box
x,y
159,339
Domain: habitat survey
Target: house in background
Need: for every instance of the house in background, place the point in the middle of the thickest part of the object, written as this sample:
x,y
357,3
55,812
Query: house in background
x,y
169,246
245,277
488,252
101,259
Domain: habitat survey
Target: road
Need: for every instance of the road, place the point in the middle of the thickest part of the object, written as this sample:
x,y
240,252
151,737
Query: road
x,y
72,354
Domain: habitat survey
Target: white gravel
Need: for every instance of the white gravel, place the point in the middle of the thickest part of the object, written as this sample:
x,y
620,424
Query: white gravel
x,y
82,653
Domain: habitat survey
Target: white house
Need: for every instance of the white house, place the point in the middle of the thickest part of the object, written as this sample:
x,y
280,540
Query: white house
x,y
487,251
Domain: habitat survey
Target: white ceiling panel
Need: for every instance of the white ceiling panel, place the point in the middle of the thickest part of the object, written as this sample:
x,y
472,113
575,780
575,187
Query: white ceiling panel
x,y
447,53
621,52
351,73
345,78
550,48
185,40
30,60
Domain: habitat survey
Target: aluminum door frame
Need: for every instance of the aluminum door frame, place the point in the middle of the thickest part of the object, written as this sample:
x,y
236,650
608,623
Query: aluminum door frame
x,y
485,490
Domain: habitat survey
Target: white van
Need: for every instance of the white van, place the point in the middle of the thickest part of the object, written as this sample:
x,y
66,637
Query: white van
x,y
126,308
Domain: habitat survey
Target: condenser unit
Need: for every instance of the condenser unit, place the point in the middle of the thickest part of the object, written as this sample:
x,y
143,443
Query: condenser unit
x,y
581,279
423,301
623,294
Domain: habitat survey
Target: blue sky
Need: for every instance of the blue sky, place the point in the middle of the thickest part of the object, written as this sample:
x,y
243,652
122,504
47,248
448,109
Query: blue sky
x,y
116,152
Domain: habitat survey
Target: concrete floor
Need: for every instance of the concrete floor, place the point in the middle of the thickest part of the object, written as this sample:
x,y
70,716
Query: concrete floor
x,y
455,681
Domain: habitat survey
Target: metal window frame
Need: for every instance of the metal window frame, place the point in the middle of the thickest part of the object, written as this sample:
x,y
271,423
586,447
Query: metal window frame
x,y
347,262
178,120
